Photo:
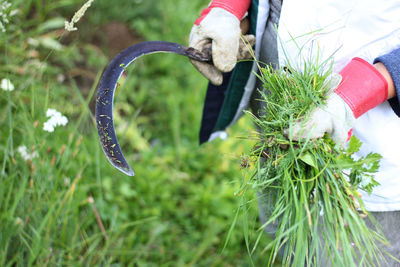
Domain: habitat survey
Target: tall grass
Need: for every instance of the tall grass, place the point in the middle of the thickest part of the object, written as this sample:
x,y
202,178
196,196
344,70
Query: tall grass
x,y
67,206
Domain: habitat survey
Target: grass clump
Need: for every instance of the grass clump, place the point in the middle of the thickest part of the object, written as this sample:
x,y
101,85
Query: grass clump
x,y
311,185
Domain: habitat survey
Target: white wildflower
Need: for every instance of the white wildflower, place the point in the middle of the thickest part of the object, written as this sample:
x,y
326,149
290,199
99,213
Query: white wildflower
x,y
60,78
23,151
5,13
69,26
18,221
6,85
14,12
33,42
55,119
67,181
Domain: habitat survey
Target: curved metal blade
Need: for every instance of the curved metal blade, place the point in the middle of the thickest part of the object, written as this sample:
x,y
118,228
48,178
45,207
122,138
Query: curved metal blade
x,y
108,84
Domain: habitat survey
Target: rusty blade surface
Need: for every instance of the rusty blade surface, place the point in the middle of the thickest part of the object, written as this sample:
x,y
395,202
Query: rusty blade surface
x,y
108,84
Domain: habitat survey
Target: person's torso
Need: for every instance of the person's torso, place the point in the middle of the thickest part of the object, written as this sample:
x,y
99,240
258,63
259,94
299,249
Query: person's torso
x,y
344,29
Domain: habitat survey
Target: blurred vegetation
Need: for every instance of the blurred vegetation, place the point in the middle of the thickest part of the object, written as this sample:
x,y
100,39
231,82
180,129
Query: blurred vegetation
x,y
68,206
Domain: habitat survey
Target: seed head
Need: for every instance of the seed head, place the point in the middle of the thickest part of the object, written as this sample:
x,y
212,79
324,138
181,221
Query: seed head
x,y
69,26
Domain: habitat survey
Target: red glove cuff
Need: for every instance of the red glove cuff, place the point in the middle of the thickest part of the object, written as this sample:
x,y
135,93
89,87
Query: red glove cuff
x,y
237,7
362,86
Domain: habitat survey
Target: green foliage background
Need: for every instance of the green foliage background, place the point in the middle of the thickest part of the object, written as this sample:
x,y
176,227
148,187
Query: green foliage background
x,y
177,210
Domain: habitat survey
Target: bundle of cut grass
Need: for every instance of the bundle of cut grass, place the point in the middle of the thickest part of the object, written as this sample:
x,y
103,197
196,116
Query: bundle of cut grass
x,y
316,206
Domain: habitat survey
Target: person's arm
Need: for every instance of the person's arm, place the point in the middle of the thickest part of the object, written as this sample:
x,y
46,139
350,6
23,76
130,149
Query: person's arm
x,y
385,73
389,66
363,87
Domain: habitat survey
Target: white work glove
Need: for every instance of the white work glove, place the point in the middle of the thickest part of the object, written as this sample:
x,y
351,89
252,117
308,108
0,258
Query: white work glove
x,y
359,88
336,119
222,29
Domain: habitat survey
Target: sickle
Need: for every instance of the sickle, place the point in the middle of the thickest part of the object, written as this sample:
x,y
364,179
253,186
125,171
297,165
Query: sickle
x,y
108,84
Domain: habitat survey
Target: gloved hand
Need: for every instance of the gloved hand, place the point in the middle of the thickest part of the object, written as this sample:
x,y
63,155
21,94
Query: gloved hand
x,y
361,88
219,25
